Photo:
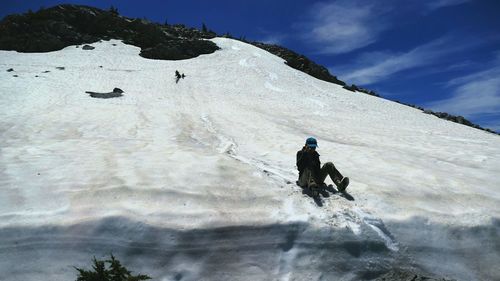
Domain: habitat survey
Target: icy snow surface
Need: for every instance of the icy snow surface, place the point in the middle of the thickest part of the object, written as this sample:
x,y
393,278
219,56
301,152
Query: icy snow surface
x,y
196,180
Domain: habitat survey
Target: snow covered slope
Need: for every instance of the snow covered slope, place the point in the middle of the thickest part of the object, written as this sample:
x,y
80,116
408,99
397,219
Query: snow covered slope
x,y
196,180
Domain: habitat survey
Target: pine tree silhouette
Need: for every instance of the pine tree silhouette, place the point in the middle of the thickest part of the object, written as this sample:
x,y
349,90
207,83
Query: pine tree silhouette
x,y
115,272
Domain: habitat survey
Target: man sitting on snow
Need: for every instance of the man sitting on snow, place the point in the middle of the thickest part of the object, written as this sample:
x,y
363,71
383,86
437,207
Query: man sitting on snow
x,y
310,173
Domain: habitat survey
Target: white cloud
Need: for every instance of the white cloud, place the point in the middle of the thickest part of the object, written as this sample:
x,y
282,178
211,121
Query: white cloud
x,y
436,4
475,96
373,67
343,26
439,69
491,71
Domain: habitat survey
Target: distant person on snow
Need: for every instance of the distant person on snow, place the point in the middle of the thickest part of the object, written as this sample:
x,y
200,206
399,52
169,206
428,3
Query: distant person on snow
x,y
178,76
311,174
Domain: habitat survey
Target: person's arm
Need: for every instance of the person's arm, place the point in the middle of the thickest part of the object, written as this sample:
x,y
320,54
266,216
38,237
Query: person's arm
x,y
316,163
300,160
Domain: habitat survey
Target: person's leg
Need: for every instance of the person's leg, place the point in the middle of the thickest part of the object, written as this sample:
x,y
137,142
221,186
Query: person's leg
x,y
329,169
306,178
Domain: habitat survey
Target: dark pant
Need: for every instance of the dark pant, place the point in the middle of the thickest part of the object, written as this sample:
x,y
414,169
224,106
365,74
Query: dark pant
x,y
307,178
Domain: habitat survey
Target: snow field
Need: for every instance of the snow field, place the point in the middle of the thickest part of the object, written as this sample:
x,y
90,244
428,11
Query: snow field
x,y
179,178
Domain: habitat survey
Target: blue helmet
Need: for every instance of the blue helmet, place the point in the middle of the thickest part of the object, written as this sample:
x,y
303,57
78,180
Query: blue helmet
x,y
311,142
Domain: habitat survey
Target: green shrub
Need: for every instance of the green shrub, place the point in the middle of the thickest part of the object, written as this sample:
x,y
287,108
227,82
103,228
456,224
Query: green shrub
x,y
114,272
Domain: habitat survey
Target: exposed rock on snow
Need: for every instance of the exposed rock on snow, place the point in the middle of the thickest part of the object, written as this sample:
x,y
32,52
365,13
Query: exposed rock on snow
x,y
458,119
300,62
354,88
87,47
114,94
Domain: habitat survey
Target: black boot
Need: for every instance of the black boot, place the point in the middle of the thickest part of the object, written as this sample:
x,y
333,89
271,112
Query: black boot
x,y
343,184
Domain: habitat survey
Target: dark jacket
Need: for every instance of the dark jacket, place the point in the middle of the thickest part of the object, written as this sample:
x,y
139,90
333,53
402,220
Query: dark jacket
x,y
308,160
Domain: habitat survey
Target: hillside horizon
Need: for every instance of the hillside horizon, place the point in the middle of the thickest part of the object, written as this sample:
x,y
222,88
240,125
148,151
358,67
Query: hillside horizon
x,y
18,39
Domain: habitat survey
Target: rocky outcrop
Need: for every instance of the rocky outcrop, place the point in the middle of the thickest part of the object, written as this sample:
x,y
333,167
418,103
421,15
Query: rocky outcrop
x,y
453,118
457,119
116,93
300,62
354,88
304,64
118,90
64,25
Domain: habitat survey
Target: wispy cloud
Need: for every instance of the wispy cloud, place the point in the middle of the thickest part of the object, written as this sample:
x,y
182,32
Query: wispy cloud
x,y
277,39
436,4
476,95
440,69
373,67
490,71
343,26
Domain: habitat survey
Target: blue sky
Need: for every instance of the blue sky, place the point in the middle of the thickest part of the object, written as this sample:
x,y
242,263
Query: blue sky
x,y
439,54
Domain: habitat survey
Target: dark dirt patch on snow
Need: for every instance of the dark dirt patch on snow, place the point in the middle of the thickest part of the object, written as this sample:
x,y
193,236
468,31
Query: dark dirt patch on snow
x,y
117,92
